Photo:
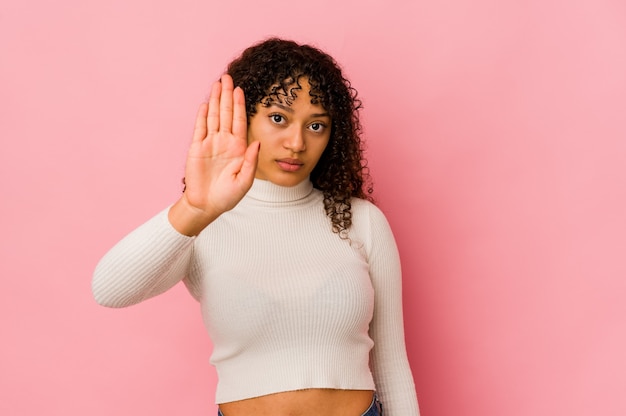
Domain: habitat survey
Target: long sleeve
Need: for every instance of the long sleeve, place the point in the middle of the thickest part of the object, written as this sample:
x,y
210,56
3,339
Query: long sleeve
x,y
147,262
390,365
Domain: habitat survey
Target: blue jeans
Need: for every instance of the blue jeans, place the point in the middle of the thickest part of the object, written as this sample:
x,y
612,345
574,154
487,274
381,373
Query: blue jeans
x,y
375,409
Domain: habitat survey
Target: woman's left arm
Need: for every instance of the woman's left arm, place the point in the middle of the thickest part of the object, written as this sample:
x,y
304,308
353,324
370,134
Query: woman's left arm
x,y
390,365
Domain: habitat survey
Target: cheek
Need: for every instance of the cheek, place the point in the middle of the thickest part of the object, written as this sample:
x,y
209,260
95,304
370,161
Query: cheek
x,y
255,134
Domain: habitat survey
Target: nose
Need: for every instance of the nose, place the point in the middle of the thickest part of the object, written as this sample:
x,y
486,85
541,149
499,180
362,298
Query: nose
x,y
294,140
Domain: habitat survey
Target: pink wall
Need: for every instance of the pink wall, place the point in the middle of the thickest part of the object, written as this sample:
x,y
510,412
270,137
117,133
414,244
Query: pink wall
x,y
496,136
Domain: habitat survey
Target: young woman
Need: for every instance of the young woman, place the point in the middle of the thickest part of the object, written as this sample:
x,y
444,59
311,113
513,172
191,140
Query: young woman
x,y
296,271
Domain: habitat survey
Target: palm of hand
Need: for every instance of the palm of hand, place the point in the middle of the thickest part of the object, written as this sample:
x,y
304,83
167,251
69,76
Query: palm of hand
x,y
220,163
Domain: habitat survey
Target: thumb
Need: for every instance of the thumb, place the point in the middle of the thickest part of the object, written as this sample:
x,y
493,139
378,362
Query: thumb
x,y
250,161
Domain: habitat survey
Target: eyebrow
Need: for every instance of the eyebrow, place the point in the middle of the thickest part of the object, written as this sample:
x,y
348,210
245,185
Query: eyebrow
x,y
290,110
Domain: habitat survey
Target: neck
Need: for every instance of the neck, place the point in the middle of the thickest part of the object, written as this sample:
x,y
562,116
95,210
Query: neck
x,y
267,191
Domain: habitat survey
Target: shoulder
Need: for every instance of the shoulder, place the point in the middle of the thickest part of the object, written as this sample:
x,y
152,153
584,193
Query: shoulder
x,y
365,213
369,224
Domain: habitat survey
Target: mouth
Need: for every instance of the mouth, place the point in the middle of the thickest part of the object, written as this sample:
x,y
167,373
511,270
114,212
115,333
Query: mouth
x,y
289,165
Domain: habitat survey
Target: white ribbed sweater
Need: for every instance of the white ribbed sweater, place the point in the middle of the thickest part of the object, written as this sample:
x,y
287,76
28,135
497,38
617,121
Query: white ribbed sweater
x,y
287,303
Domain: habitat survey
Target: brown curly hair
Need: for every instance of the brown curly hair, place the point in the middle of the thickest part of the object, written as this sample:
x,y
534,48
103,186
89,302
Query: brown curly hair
x,y
270,71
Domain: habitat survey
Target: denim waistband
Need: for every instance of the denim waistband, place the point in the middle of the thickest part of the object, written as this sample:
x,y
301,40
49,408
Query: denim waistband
x,y
375,409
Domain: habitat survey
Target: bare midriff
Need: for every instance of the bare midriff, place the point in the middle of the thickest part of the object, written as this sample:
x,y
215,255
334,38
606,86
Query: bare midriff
x,y
309,402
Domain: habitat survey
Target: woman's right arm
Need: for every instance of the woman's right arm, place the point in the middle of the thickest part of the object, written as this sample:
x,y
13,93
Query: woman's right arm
x,y
219,171
145,263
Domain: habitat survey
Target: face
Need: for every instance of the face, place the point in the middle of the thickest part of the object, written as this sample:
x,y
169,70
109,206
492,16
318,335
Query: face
x,y
293,138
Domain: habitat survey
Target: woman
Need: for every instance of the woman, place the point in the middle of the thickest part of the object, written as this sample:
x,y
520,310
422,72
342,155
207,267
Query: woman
x,y
296,271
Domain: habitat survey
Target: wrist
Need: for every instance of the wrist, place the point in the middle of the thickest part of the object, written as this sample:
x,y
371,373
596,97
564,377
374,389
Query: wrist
x,y
187,219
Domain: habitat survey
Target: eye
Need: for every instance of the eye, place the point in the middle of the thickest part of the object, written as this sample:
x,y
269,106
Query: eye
x,y
277,118
317,127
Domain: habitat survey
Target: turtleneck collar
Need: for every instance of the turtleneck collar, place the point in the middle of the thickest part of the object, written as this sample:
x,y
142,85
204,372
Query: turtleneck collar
x,y
267,191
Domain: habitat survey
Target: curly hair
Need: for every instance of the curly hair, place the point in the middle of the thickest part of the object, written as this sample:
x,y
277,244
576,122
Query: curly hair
x,y
270,71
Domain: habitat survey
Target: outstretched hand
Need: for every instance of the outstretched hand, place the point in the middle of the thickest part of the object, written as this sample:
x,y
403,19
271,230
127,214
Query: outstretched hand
x,y
220,164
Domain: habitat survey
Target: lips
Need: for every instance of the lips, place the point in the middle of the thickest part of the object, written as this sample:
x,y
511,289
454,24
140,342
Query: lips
x,y
289,165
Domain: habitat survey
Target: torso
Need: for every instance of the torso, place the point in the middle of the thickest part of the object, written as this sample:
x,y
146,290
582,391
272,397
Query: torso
x,y
310,402
287,302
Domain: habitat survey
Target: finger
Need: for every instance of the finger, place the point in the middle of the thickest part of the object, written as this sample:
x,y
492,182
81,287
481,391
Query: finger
x,y
213,116
250,160
240,121
199,130
226,104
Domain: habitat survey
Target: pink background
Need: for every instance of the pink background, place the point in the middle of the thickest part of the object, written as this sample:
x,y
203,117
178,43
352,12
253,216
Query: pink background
x,y
497,140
